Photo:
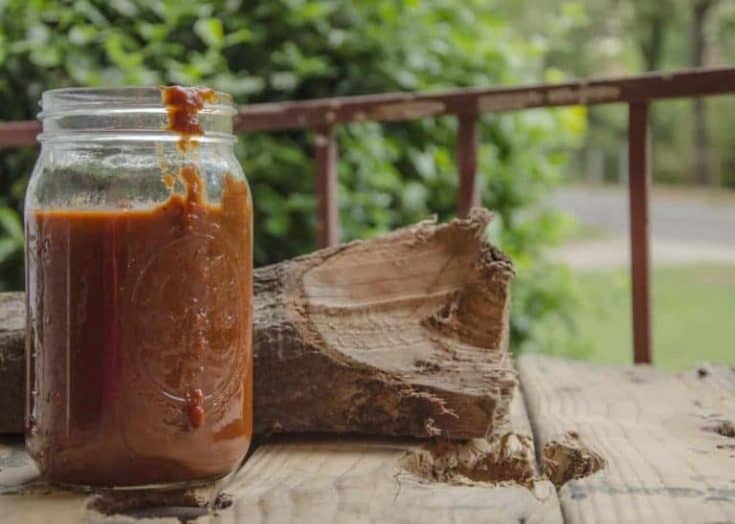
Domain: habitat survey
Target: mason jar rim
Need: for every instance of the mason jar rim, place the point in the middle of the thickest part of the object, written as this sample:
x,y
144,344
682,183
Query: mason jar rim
x,y
80,99
102,113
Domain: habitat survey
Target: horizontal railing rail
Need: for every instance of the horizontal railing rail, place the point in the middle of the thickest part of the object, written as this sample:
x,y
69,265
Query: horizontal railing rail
x,y
467,105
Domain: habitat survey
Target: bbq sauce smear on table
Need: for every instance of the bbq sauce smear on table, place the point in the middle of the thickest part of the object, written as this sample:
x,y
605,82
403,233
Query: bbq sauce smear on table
x,y
143,331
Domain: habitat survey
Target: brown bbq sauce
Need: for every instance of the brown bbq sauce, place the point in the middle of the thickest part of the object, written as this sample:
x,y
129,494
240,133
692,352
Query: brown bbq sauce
x,y
142,354
183,105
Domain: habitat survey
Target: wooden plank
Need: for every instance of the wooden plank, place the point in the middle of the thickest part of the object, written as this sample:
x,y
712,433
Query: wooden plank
x,y
21,500
656,430
361,480
312,479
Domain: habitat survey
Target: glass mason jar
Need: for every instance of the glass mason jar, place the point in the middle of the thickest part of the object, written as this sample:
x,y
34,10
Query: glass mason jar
x,y
139,287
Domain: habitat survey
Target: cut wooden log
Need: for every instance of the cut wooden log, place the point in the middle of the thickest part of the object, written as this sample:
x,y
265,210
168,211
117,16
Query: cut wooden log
x,y
404,334
401,335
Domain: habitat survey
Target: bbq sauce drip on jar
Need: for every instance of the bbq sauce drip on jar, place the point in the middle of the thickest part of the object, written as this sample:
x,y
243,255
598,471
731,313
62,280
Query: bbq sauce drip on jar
x,y
144,338
183,106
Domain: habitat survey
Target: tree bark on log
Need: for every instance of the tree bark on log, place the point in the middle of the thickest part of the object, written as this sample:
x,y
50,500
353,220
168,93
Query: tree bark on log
x,y
12,362
405,334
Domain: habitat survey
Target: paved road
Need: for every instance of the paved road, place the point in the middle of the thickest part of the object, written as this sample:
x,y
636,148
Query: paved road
x,y
685,227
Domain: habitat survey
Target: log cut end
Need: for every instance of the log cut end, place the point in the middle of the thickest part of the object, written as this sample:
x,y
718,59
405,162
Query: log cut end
x,y
12,362
404,334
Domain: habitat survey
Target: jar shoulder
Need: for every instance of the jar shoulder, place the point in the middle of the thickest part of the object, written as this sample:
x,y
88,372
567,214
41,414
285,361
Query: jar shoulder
x,y
123,175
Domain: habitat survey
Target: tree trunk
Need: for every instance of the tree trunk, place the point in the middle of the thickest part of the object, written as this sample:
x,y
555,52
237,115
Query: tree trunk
x,y
652,20
653,45
700,131
400,335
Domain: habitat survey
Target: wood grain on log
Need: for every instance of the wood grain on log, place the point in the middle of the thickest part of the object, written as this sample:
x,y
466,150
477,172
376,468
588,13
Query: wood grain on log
x,y
405,334
399,335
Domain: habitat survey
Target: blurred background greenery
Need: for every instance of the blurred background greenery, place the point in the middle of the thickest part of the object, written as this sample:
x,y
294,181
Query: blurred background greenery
x,y
394,174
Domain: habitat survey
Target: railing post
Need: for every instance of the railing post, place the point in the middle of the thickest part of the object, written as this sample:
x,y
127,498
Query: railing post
x,y
638,184
467,144
325,156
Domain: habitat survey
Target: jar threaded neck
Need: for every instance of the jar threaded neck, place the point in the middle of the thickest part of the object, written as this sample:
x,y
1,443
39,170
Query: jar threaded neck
x,y
130,113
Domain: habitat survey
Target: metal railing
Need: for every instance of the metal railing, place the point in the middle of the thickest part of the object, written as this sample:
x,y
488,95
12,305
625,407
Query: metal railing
x,y
322,115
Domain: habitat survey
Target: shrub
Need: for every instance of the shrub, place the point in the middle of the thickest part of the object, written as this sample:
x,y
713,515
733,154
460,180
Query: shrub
x,y
271,50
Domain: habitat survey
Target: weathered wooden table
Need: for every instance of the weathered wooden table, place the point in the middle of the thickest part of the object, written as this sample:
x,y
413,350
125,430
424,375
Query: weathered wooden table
x,y
668,441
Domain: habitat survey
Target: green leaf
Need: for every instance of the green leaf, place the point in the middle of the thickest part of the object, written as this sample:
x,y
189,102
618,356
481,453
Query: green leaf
x,y
3,49
124,7
10,222
211,32
82,34
238,85
119,53
240,36
8,248
46,56
284,80
152,32
38,34
277,225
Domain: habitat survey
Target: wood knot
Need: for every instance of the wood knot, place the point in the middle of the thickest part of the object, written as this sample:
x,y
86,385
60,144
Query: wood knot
x,y
568,458
726,428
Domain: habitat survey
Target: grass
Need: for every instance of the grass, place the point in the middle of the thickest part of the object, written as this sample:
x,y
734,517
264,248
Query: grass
x,y
585,232
693,315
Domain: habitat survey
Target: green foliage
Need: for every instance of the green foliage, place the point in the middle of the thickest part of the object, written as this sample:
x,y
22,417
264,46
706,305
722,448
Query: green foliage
x,y
11,247
271,50
602,38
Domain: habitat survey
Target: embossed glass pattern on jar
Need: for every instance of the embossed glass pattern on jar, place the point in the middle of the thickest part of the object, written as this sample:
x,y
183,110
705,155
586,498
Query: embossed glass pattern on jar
x,y
139,289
